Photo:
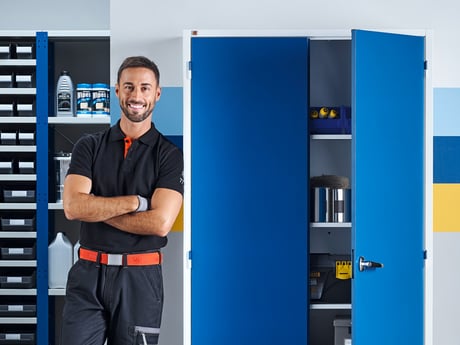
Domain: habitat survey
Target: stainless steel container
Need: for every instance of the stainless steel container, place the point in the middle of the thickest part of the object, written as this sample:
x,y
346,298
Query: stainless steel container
x,y
341,205
61,165
321,205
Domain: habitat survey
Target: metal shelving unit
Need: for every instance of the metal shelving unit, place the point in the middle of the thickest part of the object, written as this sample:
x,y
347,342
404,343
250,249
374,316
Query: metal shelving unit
x,y
47,45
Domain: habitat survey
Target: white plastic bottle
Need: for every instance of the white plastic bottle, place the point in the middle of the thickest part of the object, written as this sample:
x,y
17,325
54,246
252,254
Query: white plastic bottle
x,y
75,251
59,261
64,95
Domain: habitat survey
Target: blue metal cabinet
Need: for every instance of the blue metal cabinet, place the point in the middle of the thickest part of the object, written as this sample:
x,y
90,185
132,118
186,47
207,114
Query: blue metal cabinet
x,y
249,200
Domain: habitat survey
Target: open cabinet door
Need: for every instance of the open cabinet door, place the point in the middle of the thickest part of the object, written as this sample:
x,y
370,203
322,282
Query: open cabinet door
x,y
249,207
388,185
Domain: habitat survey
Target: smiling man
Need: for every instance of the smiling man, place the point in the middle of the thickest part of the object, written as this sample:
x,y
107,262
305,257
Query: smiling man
x,y
125,185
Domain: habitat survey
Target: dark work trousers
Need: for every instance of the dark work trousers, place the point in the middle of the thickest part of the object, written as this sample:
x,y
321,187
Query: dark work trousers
x,y
120,304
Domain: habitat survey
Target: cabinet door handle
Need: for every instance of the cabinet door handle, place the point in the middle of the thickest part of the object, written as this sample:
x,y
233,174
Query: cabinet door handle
x,y
363,264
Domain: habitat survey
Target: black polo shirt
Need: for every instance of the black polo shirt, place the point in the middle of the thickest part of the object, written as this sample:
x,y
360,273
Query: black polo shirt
x,y
152,162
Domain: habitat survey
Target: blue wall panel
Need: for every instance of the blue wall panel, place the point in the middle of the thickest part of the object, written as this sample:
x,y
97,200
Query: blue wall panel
x,y
446,159
446,111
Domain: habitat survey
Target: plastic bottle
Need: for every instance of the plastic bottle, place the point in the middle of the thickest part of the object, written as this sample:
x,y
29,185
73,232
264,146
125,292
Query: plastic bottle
x,y
59,261
75,251
100,99
84,99
64,95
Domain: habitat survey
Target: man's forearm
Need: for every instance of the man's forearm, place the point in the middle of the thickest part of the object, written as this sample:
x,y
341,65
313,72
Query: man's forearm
x,y
91,208
141,223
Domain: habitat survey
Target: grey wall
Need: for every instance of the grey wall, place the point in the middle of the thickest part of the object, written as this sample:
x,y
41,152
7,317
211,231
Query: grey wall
x,y
55,15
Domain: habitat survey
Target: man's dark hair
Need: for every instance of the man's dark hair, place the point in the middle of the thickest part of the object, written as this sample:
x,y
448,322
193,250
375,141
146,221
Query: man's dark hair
x,y
139,61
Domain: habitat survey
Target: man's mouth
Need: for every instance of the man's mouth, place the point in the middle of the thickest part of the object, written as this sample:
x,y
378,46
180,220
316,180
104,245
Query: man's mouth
x,y
135,106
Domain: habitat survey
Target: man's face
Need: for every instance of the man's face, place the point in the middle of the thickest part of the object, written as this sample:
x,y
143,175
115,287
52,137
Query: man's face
x,y
137,92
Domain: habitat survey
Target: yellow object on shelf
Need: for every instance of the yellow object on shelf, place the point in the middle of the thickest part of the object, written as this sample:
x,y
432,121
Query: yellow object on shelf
x,y
333,113
343,270
323,112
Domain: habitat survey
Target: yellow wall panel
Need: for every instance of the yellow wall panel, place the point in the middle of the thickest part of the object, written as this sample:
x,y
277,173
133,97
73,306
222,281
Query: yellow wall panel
x,y
446,207
179,224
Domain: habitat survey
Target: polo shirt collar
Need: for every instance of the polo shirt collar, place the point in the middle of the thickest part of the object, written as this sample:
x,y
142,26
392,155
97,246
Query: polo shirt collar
x,y
149,138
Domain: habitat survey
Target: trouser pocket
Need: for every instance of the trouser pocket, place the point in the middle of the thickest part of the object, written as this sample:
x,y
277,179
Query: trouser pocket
x,y
145,335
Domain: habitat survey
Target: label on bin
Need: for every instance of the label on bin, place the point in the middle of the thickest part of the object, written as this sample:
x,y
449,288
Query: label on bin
x,y
15,308
17,222
19,193
24,50
23,78
14,279
12,336
24,107
16,251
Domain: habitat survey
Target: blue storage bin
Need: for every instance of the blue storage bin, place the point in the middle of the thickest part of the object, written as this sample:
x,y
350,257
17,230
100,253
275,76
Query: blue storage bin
x,y
321,122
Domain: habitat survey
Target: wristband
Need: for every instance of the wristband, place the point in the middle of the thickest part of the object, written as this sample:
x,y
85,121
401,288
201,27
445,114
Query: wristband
x,y
143,204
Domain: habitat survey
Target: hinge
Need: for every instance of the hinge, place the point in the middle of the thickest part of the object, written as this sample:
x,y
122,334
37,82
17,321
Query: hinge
x,y
425,255
189,259
425,65
189,70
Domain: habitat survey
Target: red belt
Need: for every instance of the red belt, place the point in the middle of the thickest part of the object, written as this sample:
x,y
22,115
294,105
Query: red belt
x,y
142,259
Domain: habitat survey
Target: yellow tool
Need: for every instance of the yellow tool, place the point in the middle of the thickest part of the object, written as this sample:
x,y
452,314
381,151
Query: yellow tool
x,y
343,270
323,112
314,114
333,113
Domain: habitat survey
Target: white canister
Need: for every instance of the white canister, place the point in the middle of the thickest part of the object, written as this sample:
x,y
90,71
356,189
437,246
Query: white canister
x,y
76,247
59,261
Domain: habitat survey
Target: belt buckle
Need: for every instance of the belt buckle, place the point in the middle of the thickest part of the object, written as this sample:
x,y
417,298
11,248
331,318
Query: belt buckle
x,y
115,259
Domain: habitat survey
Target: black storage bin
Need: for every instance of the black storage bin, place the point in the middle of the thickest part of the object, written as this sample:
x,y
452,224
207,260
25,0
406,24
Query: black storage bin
x,y
6,167
6,80
19,195
17,252
8,138
17,224
17,338
17,280
26,167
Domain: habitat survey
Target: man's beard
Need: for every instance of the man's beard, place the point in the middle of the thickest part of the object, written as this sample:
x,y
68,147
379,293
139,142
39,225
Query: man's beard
x,y
138,116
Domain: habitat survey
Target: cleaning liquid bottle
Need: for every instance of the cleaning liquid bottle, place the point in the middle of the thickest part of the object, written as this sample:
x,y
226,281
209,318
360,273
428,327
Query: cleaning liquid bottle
x,y
64,95
60,253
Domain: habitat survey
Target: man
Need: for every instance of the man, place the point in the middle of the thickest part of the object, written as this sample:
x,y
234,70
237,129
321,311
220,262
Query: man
x,y
125,185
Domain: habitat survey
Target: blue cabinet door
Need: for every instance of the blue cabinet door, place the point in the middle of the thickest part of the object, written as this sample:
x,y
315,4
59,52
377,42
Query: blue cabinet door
x,y
249,191
388,188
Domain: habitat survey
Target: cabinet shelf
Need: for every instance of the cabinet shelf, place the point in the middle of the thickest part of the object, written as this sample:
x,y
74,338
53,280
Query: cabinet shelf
x,y
18,62
18,119
18,292
18,234
56,292
18,148
330,225
330,136
18,177
100,119
18,320
18,91
55,206
18,206
319,306
18,263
